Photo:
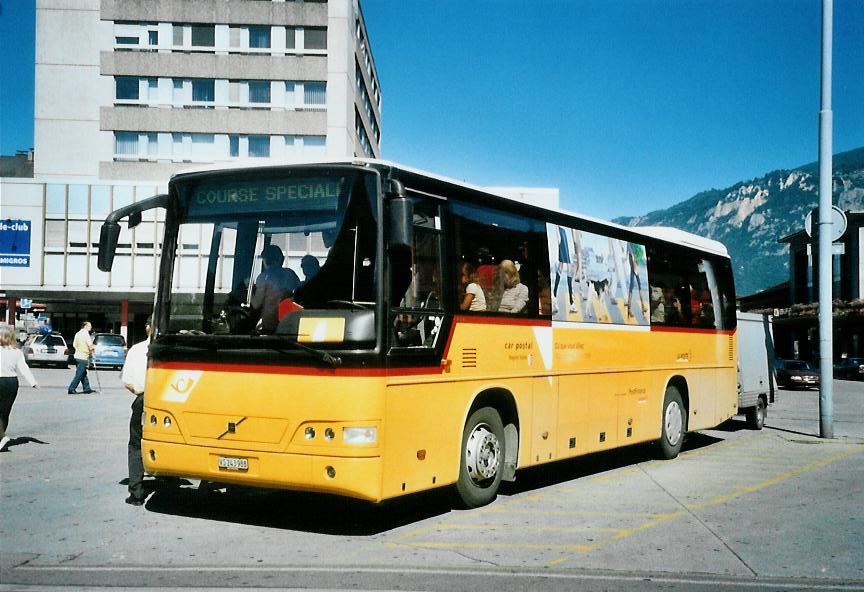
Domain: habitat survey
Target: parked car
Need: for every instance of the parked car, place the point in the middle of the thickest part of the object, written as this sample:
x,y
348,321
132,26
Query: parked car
x,y
796,374
850,368
45,350
110,350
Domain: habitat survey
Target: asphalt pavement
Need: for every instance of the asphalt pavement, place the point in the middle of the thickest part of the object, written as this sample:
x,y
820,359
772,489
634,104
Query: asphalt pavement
x,y
739,509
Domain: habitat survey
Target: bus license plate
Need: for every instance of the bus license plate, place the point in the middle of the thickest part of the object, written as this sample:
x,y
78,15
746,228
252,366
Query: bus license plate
x,y
233,463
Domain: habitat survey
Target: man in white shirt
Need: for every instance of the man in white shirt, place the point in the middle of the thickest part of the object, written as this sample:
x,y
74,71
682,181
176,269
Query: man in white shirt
x,y
133,377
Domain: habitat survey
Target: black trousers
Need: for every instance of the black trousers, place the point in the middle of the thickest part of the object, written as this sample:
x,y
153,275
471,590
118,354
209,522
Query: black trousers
x,y
136,463
8,392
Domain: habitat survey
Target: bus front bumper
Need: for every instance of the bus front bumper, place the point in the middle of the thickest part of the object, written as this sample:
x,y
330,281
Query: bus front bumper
x,y
357,477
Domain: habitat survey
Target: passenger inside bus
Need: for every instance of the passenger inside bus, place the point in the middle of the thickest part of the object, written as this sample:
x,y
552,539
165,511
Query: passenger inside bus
x,y
310,266
471,296
514,298
274,283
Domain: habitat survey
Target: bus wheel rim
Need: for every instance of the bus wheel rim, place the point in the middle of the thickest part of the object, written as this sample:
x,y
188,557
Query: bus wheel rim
x,y
674,424
482,451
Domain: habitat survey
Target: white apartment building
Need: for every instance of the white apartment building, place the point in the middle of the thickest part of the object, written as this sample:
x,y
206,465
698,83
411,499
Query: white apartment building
x,y
140,89
129,92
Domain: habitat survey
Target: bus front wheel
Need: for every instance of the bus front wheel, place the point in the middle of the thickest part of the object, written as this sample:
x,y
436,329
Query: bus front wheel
x,y
482,458
674,423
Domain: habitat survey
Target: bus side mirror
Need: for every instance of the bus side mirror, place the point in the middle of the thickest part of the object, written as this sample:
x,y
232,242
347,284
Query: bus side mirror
x,y
108,238
401,217
401,223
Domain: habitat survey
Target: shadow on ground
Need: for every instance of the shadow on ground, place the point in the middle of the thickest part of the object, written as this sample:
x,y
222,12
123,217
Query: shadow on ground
x,y
21,440
329,514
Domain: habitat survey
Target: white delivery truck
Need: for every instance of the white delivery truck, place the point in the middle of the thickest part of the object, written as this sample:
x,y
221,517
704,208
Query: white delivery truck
x,y
756,386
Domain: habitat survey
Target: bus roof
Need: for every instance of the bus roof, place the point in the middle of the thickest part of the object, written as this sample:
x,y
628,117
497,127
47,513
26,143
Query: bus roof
x,y
664,233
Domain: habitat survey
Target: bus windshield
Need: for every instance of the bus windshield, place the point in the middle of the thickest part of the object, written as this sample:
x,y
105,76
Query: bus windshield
x,y
282,245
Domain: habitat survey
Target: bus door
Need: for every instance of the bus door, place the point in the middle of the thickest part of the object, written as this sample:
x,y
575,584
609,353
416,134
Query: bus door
x,y
417,314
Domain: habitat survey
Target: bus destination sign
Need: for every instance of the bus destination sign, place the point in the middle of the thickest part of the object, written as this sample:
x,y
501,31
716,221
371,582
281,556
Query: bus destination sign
x,y
265,196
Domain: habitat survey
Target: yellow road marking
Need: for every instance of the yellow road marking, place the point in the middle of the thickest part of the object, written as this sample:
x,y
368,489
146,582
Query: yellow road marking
x,y
625,533
651,519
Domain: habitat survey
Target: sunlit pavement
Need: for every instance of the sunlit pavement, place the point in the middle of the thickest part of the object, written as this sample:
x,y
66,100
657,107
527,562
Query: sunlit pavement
x,y
779,508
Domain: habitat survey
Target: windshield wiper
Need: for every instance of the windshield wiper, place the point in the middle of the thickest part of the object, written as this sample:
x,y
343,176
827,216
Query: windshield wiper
x,y
325,357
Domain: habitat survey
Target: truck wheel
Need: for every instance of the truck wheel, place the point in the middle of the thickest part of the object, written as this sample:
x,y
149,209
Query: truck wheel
x,y
674,424
756,415
482,458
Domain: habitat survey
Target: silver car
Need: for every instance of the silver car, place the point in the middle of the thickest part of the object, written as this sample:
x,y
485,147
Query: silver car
x,y
47,350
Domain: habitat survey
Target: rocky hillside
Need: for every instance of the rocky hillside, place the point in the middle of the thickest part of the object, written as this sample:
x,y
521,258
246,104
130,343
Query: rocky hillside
x,y
751,216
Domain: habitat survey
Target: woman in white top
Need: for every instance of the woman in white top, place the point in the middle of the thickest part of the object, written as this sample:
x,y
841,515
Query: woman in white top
x,y
473,298
12,365
515,295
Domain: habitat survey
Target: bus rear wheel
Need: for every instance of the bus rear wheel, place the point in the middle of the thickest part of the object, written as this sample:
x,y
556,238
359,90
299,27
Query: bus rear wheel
x,y
674,423
482,458
756,415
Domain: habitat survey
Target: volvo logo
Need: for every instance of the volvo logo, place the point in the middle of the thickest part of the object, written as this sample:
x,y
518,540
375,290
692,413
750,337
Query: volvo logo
x,y
232,427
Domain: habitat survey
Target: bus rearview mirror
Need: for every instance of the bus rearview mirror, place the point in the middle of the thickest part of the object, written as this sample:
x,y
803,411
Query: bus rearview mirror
x,y
108,238
401,223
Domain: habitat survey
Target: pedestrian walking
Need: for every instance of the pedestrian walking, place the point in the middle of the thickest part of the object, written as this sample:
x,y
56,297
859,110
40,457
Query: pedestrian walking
x,y
84,348
133,377
12,365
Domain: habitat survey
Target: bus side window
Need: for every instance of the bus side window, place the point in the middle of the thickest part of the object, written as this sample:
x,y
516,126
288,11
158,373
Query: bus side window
x,y
676,288
483,240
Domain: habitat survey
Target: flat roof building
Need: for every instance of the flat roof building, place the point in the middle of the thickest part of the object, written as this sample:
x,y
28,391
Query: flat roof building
x,y
138,90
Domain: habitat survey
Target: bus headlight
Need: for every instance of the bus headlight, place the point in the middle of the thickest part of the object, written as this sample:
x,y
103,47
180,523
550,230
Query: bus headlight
x,y
360,435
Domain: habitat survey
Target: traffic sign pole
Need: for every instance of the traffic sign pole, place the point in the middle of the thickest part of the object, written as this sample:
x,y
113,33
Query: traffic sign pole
x,y
826,269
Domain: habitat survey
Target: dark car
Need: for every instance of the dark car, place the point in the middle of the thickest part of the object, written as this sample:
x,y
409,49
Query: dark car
x,y
110,350
796,374
850,368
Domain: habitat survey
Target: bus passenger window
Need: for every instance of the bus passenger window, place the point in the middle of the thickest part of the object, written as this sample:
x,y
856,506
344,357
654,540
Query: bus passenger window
x,y
502,253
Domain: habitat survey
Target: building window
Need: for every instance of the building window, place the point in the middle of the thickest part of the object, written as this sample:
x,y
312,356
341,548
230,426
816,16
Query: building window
x,y
259,37
315,38
290,35
259,92
126,40
315,145
126,88
177,34
152,145
234,89
259,146
126,145
153,89
153,37
315,94
234,146
203,35
177,146
203,91
235,36
177,96
202,146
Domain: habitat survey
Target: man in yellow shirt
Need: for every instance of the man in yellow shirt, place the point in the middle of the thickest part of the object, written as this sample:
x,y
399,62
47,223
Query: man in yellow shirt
x,y
84,348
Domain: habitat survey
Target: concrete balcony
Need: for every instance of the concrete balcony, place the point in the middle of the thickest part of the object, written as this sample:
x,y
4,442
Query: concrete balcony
x,y
208,65
235,12
213,121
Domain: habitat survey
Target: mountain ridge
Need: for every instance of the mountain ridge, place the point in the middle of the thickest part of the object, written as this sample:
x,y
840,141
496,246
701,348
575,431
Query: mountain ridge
x,y
751,216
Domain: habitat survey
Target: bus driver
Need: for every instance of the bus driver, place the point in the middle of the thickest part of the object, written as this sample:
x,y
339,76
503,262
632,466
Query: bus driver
x,y
273,284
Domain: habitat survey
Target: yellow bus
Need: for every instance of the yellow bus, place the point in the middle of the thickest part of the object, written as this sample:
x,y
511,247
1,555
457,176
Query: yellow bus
x,y
368,330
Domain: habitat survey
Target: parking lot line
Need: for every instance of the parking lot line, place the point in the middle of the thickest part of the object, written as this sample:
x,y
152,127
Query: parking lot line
x,y
580,500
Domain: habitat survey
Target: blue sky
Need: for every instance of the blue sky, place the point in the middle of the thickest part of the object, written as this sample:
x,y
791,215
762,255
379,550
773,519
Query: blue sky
x,y
626,106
